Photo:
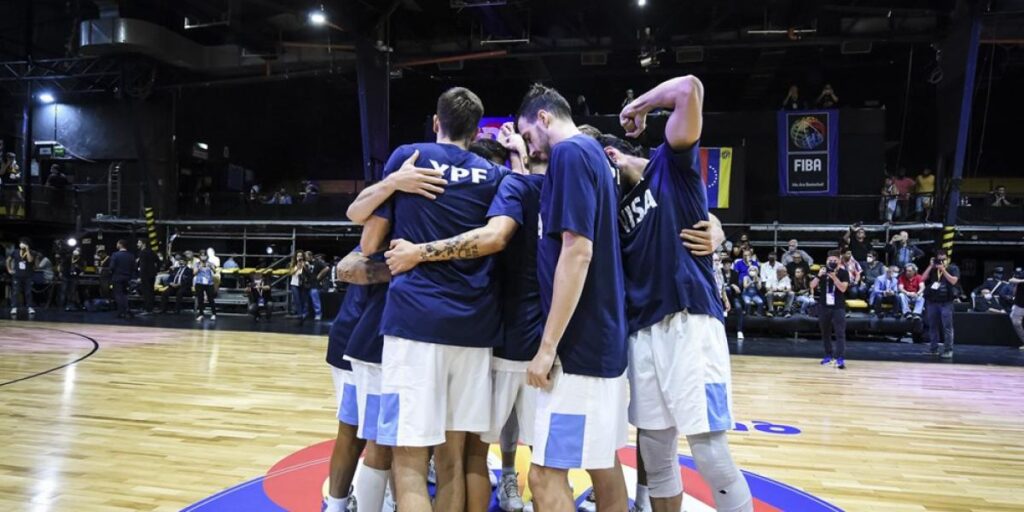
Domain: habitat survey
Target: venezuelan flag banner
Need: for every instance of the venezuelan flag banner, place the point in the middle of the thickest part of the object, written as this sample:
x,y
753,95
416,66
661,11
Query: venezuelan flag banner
x,y
716,171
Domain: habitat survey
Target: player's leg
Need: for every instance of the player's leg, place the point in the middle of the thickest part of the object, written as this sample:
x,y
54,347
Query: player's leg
x,y
468,371
550,487
347,446
714,462
661,468
449,459
372,481
478,481
610,487
511,408
410,472
642,492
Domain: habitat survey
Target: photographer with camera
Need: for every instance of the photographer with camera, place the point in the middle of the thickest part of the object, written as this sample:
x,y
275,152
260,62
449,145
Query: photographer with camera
x,y
940,288
831,285
21,265
1017,311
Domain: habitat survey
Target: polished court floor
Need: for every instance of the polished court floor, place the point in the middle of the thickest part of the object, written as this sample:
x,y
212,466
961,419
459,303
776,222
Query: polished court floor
x,y
119,418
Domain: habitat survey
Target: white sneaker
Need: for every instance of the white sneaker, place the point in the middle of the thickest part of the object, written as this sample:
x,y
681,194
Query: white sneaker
x,y
213,317
739,335
509,499
31,311
589,504
389,501
318,318
431,471
199,318
14,313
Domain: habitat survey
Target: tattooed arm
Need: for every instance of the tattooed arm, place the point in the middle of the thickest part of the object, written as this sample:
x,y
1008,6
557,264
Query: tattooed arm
x,y
356,268
483,241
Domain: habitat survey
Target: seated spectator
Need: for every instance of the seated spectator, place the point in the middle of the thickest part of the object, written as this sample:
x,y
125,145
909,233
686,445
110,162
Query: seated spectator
x,y
179,283
230,263
735,295
886,290
1000,288
999,199
798,263
736,250
581,108
781,290
794,249
753,302
987,303
901,251
890,195
770,270
873,269
310,192
742,266
856,289
827,98
259,297
911,296
801,283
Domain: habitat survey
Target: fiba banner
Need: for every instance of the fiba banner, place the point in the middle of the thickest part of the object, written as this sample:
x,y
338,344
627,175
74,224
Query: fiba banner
x,y
716,171
808,152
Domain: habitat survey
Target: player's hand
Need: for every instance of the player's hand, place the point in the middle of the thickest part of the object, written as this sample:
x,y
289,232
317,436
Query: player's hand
x,y
703,238
538,373
403,256
633,118
511,140
418,180
822,272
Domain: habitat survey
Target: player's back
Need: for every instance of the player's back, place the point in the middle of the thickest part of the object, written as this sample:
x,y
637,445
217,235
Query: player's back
x,y
444,302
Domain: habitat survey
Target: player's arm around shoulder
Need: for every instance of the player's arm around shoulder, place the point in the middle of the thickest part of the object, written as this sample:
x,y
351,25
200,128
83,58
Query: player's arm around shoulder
x,y
486,240
400,175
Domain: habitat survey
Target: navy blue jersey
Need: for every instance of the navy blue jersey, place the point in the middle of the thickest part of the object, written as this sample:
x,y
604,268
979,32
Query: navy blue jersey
x,y
519,199
662,276
449,302
352,307
579,195
365,342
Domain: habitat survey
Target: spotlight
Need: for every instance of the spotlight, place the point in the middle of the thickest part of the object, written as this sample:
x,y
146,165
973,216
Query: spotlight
x,y
46,97
270,250
72,242
641,3
318,17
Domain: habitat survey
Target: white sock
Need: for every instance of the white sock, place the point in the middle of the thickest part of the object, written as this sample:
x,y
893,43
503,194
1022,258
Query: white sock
x,y
369,488
507,471
336,504
642,498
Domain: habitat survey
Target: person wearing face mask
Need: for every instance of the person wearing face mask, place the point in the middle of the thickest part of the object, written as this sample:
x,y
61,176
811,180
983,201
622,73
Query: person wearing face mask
x,y
987,303
857,289
885,290
831,284
873,269
940,288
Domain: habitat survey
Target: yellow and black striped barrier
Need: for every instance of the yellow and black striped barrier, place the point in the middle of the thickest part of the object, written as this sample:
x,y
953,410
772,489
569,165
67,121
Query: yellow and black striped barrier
x,y
151,229
948,234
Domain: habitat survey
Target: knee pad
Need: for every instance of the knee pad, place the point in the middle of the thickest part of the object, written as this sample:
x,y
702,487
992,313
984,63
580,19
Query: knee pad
x,y
658,448
714,462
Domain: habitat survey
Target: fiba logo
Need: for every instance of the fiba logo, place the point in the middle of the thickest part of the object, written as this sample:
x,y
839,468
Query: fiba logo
x,y
807,133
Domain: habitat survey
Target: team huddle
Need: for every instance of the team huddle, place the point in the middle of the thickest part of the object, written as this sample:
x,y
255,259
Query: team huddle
x,y
549,304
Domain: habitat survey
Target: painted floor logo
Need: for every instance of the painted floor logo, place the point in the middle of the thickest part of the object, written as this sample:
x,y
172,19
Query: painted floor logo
x,y
298,482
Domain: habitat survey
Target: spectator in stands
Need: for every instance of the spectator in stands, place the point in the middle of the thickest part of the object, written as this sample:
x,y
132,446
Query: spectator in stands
x,y
780,290
102,260
827,98
581,108
830,287
904,187
1017,310
770,269
310,192
147,266
901,251
14,194
999,199
798,263
716,263
203,283
941,280
802,296
859,243
890,197
753,301
280,197
71,268
122,271
1001,289
886,290
21,265
230,263
873,269
856,289
793,250
259,297
178,285
628,99
911,300
254,193
319,270
987,303
792,100
734,293
736,250
301,279
925,191
742,266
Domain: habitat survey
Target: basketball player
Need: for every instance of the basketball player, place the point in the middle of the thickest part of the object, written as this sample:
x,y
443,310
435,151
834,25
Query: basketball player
x,y
359,304
580,418
679,374
441,321
367,278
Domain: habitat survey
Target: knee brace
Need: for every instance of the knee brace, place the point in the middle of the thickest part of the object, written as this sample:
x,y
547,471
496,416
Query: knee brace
x,y
658,448
714,462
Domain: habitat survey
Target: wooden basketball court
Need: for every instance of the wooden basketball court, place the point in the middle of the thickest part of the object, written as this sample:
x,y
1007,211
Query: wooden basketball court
x,y
159,419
